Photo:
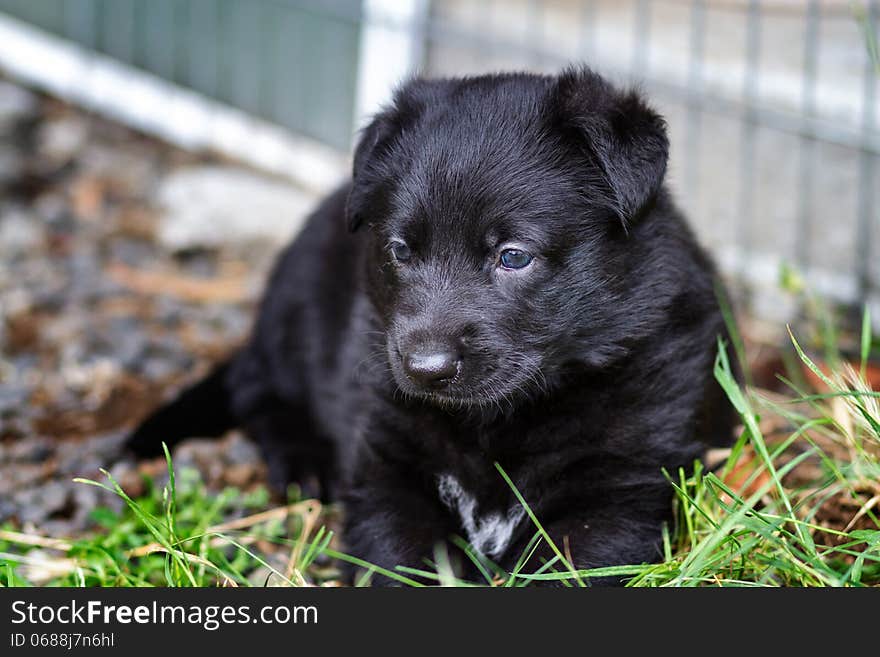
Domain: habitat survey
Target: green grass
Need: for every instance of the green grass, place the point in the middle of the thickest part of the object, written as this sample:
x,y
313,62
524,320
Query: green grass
x,y
176,535
757,520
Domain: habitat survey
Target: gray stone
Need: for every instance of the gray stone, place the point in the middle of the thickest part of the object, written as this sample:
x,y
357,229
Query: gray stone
x,y
17,476
19,233
54,209
11,164
34,449
128,347
210,206
195,452
37,504
7,508
12,397
130,168
159,368
16,103
168,311
62,139
240,450
108,445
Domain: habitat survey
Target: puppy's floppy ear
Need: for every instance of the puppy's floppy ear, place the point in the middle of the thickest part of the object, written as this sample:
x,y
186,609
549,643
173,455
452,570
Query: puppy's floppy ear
x,y
624,137
370,141
410,100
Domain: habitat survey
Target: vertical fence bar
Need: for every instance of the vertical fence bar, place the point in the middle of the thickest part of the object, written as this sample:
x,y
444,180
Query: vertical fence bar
x,y
867,165
534,37
386,46
161,39
749,131
418,25
695,91
249,47
98,25
80,22
224,35
642,36
588,32
117,38
268,62
807,155
203,46
139,46
487,20
118,29
180,44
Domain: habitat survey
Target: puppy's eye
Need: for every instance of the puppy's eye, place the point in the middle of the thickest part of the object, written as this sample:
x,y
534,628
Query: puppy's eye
x,y
400,251
515,258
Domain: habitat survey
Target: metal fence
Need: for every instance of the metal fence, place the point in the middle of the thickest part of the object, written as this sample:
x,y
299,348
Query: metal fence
x,y
291,63
772,105
772,108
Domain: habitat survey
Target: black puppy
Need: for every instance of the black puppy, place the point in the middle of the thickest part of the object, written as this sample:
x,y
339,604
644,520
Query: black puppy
x,y
519,289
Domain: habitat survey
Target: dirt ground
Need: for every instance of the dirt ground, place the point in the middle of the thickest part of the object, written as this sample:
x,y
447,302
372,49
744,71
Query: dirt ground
x,y
100,318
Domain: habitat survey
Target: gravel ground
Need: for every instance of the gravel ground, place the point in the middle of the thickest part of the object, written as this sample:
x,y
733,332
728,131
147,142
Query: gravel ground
x,y
101,316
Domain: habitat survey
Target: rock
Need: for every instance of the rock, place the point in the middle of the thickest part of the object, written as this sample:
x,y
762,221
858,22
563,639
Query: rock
x,y
7,508
18,476
87,498
160,368
54,209
76,460
33,449
38,504
210,206
16,103
155,469
130,170
82,374
129,479
241,450
168,311
196,452
62,139
20,233
11,164
240,474
128,345
12,398
131,252
85,458
108,445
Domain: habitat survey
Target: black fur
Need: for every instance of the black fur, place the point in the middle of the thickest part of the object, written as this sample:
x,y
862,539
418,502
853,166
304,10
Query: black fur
x,y
583,374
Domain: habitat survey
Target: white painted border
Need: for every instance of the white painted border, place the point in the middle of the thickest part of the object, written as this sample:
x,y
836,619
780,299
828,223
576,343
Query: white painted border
x,y
391,48
158,107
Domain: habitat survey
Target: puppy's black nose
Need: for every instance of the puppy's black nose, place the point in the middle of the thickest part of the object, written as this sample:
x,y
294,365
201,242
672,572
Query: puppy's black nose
x,y
431,366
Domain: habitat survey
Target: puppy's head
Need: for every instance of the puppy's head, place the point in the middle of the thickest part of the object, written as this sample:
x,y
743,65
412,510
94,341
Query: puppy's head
x,y
498,209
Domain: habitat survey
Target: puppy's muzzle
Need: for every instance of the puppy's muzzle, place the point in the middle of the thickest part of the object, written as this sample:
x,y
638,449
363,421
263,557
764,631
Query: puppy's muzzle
x,y
432,365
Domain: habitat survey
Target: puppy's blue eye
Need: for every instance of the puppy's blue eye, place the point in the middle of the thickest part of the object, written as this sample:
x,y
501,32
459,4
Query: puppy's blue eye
x,y
515,258
400,251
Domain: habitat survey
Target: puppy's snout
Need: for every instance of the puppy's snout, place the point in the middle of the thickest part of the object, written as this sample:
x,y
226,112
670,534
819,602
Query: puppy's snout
x,y
432,365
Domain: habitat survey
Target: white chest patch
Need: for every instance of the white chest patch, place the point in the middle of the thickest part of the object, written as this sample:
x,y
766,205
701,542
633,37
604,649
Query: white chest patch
x,y
489,534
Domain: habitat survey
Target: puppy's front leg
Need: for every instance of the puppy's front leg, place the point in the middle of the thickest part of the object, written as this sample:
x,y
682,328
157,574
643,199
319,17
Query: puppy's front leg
x,y
391,521
611,536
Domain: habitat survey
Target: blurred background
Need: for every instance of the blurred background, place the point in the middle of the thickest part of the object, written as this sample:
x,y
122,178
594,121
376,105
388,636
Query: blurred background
x,y
772,104
154,155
